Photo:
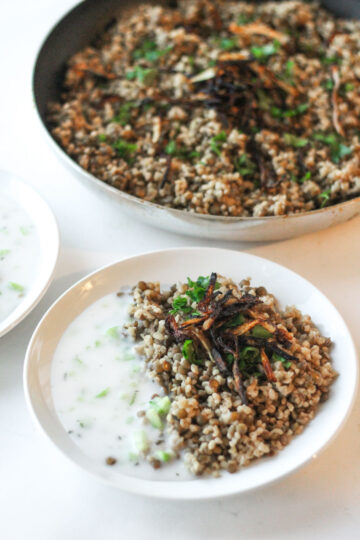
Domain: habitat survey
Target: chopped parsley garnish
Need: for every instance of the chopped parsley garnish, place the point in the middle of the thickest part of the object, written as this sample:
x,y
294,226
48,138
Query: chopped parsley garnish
x,y
235,321
244,165
217,142
197,289
338,150
303,179
123,115
248,361
324,196
289,72
348,87
124,149
150,52
188,351
262,53
330,60
276,112
180,304
172,149
277,358
328,84
228,44
102,137
260,332
297,142
212,63
143,75
244,18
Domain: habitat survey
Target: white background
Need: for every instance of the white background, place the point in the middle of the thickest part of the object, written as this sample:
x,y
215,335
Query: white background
x,y
44,497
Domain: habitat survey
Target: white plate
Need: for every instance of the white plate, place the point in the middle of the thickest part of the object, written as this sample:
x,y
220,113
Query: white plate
x,y
48,234
175,265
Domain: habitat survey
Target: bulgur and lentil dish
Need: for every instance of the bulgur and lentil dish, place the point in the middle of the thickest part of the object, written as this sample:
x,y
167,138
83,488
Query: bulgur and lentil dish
x,y
242,376
222,108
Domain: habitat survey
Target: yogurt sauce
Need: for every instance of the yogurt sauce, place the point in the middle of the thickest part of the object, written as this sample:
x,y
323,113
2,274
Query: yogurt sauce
x,y
99,386
19,253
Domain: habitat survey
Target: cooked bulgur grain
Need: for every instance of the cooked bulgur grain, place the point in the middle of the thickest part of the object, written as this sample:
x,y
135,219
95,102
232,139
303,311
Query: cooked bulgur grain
x,y
218,427
225,108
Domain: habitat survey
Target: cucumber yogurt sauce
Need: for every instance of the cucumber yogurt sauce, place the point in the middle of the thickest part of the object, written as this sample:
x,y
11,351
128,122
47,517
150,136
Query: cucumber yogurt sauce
x,y
108,405
19,253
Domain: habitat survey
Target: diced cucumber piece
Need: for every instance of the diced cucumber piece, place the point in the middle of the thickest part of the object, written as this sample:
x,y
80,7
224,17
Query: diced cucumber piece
x,y
133,457
163,456
161,405
16,286
103,393
141,441
153,416
113,332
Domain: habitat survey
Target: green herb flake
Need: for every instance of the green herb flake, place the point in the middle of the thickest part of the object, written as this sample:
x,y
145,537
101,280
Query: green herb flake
x,y
276,112
244,18
197,289
123,115
103,393
330,60
338,150
150,52
102,137
277,358
228,44
244,165
180,151
188,351
306,177
324,196
16,287
262,53
349,87
260,332
124,149
297,142
328,84
249,359
4,252
180,304
212,63
229,358
146,76
217,142
235,321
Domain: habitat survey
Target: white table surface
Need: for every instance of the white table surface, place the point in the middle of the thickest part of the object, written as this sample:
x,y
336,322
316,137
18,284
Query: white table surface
x,y
44,497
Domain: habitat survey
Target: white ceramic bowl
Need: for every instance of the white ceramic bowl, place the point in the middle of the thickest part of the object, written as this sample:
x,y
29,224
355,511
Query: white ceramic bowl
x,y
48,234
175,265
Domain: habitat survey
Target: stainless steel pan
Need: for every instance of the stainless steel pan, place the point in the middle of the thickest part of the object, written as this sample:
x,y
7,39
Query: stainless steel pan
x,y
77,29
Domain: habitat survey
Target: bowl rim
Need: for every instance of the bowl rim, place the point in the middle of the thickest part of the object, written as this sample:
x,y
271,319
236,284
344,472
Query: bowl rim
x,y
104,186
143,487
13,178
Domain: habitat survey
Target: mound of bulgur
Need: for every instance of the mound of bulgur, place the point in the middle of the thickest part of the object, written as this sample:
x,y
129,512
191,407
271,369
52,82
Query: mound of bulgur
x,y
215,427
222,108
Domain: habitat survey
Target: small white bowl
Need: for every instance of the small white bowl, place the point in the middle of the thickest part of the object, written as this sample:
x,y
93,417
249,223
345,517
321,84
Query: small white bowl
x,y
169,266
48,235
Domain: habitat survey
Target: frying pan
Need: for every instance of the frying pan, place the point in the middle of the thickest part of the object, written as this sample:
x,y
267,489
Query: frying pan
x,y
78,28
